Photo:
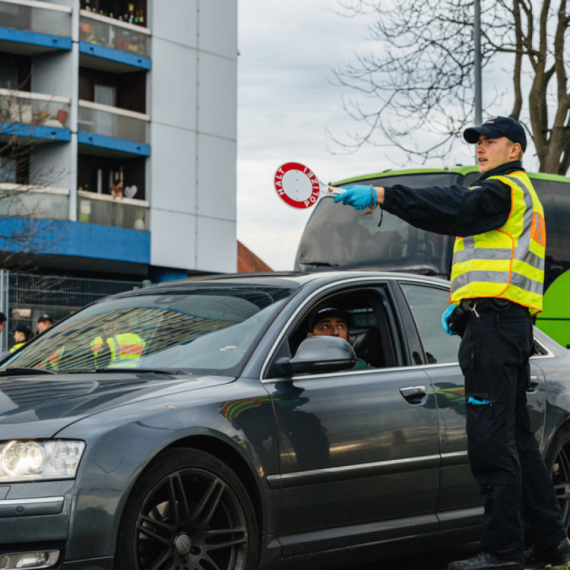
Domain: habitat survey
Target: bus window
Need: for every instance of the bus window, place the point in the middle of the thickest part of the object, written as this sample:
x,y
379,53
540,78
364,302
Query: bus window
x,y
555,198
341,237
469,178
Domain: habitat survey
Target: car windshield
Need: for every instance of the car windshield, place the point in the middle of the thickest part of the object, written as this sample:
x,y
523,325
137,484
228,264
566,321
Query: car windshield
x,y
344,238
206,330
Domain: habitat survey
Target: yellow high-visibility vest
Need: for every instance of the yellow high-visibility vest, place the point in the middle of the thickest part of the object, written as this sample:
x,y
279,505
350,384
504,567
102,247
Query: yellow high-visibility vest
x,y
96,346
507,262
52,361
126,349
17,346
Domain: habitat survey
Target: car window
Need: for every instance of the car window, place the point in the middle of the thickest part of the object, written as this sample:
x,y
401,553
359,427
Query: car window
x,y
427,305
368,328
204,330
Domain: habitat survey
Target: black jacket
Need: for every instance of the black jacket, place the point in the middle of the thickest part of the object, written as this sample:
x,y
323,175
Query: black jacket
x,y
455,210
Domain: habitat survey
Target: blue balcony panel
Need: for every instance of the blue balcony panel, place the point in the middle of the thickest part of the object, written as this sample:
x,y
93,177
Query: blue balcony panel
x,y
34,132
33,42
113,144
114,55
78,240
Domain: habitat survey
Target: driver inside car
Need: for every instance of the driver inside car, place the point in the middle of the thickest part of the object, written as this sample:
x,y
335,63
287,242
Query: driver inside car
x,y
331,321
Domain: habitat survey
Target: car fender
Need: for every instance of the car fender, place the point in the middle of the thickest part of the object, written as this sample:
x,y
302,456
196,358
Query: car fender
x,y
123,441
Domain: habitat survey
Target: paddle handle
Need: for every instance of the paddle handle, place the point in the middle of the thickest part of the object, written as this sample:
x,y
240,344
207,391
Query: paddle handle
x,y
326,189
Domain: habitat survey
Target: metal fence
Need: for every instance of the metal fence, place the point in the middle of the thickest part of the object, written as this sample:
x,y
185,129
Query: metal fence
x,y
24,298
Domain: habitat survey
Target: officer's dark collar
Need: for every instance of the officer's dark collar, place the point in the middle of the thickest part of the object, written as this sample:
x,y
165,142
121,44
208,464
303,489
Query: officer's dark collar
x,y
507,168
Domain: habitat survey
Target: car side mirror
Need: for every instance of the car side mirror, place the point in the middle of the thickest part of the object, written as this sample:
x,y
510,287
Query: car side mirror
x,y
320,354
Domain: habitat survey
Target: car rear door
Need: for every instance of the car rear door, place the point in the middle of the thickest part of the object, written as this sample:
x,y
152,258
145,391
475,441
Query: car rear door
x,y
459,502
359,451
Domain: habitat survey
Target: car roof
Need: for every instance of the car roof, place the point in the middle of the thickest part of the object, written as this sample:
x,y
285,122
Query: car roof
x,y
290,280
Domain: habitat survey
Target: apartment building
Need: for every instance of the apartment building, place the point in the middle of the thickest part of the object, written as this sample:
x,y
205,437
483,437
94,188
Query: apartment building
x,y
125,111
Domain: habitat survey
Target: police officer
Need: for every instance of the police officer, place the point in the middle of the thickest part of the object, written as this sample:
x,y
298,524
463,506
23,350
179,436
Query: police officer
x,y
497,279
22,334
44,323
116,349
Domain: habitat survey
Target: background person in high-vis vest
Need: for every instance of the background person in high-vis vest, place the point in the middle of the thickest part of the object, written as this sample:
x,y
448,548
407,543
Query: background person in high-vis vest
x,y
22,334
496,285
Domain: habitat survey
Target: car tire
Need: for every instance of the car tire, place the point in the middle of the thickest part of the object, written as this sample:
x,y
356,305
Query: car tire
x,y
558,464
188,510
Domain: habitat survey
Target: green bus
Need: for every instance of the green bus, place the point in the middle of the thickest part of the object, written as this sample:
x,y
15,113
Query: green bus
x,y
340,238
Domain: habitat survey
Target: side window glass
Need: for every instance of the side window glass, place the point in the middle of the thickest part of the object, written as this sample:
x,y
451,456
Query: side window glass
x,y
368,330
427,305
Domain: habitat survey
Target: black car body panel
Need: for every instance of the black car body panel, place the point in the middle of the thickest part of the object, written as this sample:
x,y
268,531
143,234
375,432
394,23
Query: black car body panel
x,y
357,462
41,406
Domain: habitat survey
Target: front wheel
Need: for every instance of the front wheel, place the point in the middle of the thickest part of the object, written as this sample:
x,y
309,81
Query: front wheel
x,y
558,462
188,511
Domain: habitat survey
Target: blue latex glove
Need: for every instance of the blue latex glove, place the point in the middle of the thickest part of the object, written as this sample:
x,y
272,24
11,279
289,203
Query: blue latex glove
x,y
445,320
359,197
475,402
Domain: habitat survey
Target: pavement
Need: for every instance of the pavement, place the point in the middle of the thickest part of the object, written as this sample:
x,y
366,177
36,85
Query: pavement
x,y
433,560
425,561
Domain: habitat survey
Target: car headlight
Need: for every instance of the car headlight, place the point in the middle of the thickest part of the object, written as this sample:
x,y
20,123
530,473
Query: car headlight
x,y
39,459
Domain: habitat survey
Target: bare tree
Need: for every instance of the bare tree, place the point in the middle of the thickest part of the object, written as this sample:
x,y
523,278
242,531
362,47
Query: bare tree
x,y
20,201
420,77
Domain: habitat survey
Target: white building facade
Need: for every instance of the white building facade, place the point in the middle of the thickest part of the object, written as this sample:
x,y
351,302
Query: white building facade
x,y
128,111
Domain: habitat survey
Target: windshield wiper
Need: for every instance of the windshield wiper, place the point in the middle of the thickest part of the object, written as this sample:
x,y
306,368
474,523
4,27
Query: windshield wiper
x,y
319,263
171,372
24,371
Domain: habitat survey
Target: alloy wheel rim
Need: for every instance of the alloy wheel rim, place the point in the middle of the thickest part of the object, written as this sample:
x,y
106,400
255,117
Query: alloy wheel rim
x,y
561,480
191,520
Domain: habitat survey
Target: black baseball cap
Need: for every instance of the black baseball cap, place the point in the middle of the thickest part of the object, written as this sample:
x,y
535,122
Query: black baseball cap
x,y
45,317
497,127
326,313
23,329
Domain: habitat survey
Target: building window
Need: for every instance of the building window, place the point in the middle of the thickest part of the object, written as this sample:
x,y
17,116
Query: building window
x,y
8,77
105,95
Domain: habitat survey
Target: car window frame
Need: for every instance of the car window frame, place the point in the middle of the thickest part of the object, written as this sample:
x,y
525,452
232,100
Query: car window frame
x,y
233,372
280,347
415,338
416,333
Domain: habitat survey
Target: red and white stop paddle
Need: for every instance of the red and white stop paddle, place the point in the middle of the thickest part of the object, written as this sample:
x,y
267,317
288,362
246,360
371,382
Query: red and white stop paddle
x,y
298,186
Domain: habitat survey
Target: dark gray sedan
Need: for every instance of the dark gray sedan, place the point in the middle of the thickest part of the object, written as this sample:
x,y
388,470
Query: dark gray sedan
x,y
194,426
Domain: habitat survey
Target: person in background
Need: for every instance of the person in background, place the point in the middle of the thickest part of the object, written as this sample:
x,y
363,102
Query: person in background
x,y
22,334
2,321
44,323
117,190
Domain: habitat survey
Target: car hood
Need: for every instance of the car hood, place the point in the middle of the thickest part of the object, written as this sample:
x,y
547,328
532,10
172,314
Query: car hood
x,y
36,407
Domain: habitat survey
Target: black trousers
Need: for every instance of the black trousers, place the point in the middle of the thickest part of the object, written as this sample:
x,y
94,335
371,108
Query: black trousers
x,y
503,452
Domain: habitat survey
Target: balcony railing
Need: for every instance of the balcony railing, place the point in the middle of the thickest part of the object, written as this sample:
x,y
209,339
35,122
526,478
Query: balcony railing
x,y
24,201
37,17
106,210
113,128
40,115
116,35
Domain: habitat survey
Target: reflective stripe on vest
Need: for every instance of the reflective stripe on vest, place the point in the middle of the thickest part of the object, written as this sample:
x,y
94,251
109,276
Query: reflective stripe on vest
x,y
52,361
17,346
507,262
126,349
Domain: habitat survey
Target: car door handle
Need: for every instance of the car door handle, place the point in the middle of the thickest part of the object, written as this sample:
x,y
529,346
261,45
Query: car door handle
x,y
414,394
533,384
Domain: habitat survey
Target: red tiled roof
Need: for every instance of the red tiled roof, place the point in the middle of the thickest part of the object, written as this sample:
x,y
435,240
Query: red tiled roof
x,y
248,262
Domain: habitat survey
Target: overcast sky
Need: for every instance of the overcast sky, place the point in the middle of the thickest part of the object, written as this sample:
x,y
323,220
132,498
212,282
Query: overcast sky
x,y
286,101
